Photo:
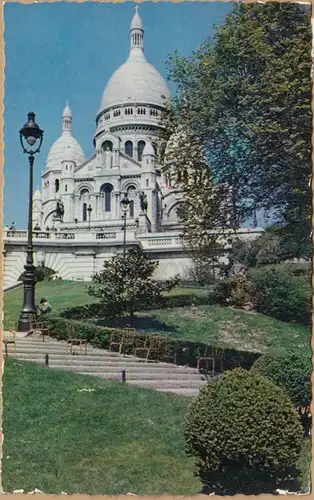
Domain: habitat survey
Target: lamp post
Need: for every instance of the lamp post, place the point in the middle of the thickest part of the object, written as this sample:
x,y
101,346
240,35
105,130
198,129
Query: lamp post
x,y
125,202
30,134
89,210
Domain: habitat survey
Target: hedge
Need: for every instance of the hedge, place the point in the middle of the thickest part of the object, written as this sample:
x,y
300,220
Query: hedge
x,y
174,350
291,371
283,292
96,310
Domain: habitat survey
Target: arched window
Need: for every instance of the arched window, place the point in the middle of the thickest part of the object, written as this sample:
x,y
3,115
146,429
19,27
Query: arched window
x,y
84,193
106,145
129,148
66,188
107,189
84,212
147,182
57,185
140,149
132,208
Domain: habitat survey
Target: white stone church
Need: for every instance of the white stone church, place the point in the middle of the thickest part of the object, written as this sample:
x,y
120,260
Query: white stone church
x,y
89,190
77,214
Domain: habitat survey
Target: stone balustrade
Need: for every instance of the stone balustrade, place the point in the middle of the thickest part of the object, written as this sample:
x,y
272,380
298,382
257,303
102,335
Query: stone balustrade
x,y
148,241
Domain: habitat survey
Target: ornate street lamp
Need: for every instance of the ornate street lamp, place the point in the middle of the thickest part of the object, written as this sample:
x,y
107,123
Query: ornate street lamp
x,y
89,210
31,138
125,202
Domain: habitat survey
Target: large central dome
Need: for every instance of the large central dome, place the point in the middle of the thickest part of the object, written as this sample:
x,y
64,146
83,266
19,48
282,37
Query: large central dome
x,y
136,80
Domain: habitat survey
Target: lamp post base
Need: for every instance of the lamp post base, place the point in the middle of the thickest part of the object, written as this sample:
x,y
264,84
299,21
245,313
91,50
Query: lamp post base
x,y
28,312
26,320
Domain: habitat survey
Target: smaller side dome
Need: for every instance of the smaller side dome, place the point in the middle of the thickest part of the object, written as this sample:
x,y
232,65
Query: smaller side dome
x,y
148,150
37,194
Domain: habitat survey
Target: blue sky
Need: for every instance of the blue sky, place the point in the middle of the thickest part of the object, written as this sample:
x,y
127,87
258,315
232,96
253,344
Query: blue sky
x,y
68,51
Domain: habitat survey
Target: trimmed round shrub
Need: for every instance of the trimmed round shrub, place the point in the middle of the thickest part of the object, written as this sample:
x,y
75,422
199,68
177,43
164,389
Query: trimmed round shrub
x,y
291,371
283,293
245,435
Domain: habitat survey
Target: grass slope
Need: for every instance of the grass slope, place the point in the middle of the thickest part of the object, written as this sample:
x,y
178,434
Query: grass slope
x,y
63,294
60,294
208,324
113,440
231,328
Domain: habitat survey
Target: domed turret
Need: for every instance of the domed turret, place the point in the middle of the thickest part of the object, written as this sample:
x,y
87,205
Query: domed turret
x,y
148,150
37,195
65,142
136,80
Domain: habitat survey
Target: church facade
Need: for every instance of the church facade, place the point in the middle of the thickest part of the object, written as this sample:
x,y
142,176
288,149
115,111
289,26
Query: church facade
x,y
77,212
79,193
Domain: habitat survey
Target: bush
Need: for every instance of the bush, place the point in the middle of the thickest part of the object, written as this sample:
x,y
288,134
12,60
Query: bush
x,y
41,273
175,350
200,273
97,310
96,335
262,251
291,371
126,284
245,435
236,291
283,292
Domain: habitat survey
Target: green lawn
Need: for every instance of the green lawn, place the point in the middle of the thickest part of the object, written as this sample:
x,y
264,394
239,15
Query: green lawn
x,y
208,324
229,327
61,294
113,440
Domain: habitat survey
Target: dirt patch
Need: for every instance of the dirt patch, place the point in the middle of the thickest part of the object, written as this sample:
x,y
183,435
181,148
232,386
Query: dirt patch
x,y
248,340
193,313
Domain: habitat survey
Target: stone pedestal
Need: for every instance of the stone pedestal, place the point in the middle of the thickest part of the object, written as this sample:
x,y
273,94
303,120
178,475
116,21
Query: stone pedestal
x,y
144,224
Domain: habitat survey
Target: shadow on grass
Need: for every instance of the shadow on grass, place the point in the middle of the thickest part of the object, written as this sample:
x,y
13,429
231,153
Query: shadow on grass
x,y
143,323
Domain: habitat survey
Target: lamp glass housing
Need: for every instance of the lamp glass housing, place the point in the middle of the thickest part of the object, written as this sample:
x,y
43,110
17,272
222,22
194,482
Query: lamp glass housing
x,y
125,202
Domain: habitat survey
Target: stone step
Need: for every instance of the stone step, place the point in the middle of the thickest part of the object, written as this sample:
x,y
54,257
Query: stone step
x,y
172,371
96,361
181,392
47,346
160,383
131,374
64,352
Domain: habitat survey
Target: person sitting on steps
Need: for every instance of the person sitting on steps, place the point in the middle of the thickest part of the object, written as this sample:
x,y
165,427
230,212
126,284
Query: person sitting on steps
x,y
44,307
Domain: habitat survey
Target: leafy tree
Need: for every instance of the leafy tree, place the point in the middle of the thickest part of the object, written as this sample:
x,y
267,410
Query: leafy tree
x,y
249,96
125,284
204,206
244,433
261,251
291,371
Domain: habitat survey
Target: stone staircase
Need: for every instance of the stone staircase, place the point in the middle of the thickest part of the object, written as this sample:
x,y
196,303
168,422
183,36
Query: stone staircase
x,y
109,365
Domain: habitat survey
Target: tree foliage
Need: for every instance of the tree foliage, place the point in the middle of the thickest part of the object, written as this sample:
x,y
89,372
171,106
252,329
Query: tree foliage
x,y
248,91
283,292
244,433
126,284
291,371
272,247
204,206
